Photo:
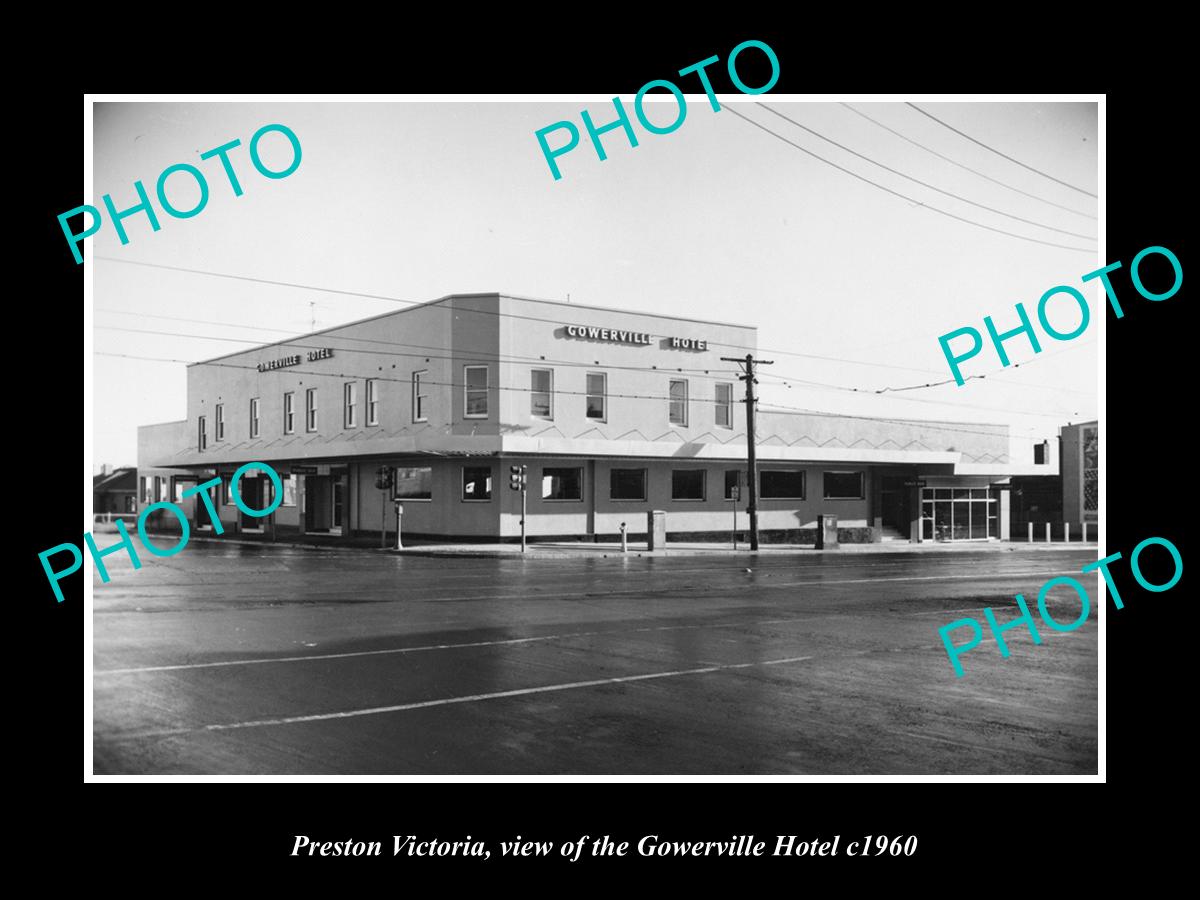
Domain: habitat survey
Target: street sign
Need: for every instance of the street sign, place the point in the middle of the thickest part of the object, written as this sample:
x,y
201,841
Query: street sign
x,y
914,484
304,470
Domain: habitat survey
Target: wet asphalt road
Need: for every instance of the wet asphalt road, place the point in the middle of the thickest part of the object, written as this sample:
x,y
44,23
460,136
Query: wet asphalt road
x,y
280,660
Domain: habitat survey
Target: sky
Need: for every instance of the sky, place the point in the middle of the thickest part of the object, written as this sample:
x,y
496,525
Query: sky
x,y
850,286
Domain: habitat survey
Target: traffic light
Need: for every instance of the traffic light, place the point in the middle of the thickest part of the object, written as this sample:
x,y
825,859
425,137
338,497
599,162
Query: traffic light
x,y
383,478
516,477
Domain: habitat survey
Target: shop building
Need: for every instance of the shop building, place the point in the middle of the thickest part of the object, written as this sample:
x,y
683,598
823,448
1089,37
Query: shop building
x,y
614,414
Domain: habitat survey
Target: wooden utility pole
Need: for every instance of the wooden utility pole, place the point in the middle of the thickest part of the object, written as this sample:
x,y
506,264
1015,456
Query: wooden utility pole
x,y
752,460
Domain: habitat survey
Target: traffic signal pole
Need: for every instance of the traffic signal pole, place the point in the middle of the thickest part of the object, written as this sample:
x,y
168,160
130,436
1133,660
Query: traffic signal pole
x,y
752,460
518,479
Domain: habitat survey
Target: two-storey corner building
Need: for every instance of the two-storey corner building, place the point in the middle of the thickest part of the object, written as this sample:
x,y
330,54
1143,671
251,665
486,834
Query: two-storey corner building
x,y
614,413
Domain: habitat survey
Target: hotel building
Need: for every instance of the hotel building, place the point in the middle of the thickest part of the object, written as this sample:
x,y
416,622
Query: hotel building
x,y
614,414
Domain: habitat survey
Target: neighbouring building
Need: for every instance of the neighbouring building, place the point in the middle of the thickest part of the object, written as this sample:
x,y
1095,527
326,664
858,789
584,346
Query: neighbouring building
x,y
614,413
1080,468
114,491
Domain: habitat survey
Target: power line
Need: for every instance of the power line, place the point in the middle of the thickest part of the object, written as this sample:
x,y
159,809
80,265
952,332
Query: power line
x,y
487,312
905,197
451,384
481,355
535,361
925,184
955,162
699,373
998,153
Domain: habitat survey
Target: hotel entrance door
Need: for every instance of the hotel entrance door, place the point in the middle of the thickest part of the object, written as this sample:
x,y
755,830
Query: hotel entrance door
x,y
324,504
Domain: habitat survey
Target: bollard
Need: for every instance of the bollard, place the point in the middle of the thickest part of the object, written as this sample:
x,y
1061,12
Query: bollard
x,y
1031,532
1085,532
1067,532
1047,532
624,539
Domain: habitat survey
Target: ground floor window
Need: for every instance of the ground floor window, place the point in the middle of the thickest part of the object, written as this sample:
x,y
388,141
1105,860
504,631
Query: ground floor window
x,y
733,484
959,514
781,484
843,485
414,483
477,483
562,484
627,484
687,484
289,490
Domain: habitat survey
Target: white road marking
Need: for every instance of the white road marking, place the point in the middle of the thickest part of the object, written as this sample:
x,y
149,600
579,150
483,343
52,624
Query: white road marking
x,y
549,637
470,698
392,650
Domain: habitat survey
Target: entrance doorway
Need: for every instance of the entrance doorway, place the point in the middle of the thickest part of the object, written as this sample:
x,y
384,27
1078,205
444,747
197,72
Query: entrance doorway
x,y
324,504
894,506
251,491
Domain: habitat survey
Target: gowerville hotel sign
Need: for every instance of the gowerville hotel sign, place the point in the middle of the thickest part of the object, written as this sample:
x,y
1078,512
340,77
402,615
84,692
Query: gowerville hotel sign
x,y
295,360
616,336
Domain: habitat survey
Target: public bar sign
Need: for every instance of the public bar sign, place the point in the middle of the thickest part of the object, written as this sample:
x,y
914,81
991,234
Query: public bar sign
x,y
295,360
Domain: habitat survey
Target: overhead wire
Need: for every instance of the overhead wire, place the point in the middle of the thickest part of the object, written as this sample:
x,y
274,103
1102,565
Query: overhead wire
x,y
960,165
924,184
905,197
999,153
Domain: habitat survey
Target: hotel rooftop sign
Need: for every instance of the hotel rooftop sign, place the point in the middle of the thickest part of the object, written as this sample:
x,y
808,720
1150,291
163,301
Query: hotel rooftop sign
x,y
615,336
284,361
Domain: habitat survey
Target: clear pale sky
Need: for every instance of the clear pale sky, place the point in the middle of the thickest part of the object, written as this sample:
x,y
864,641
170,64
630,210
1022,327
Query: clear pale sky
x,y
716,220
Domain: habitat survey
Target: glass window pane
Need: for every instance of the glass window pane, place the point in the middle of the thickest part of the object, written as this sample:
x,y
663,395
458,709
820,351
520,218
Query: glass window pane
x,y
540,380
627,484
941,521
978,520
595,407
733,484
477,483
781,484
962,494
687,484
843,485
595,384
961,517
414,483
941,494
477,376
562,484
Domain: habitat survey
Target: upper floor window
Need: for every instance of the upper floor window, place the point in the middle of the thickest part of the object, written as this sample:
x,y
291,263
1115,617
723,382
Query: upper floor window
x,y
420,400
202,435
597,393
475,391
220,423
372,401
350,401
310,409
678,404
541,392
724,405
289,412
253,417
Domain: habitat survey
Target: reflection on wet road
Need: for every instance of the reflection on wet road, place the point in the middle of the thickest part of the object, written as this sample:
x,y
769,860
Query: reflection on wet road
x,y
233,659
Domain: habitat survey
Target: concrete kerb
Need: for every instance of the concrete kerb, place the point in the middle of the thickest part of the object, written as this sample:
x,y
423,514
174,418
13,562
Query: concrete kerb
x,y
602,551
